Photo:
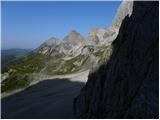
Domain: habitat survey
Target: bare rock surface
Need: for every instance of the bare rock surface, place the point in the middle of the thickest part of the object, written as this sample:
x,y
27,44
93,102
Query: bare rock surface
x,y
128,85
124,9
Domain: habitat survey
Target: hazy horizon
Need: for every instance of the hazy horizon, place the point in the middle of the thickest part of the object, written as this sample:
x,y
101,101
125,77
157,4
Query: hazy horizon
x,y
26,25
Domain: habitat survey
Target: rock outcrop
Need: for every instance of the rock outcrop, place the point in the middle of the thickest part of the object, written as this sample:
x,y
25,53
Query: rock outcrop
x,y
124,9
100,36
128,85
73,43
50,47
70,45
74,38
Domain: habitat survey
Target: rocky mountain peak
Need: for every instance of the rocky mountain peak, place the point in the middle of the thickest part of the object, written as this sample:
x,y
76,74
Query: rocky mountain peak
x,y
123,10
52,41
74,38
93,37
94,29
49,46
74,32
100,36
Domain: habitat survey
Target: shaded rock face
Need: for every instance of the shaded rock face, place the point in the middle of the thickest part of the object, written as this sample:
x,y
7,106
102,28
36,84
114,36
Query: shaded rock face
x,y
128,85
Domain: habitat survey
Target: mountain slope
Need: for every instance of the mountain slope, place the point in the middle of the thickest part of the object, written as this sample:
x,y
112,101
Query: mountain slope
x,y
49,59
58,57
127,86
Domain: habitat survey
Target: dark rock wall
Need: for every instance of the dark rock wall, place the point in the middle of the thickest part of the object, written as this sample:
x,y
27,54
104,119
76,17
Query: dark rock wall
x,y
128,85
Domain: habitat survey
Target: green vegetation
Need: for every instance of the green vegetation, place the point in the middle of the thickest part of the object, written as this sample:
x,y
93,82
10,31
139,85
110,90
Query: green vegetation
x,y
66,67
19,73
70,65
99,53
33,63
103,53
29,64
15,81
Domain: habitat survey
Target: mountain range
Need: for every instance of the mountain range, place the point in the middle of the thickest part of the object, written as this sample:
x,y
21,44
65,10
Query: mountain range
x,y
122,61
60,57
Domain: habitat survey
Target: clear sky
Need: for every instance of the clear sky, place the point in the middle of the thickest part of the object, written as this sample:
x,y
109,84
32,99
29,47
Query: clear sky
x,y
29,24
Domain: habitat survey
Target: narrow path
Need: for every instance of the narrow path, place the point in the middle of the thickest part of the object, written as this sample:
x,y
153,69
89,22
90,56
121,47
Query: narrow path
x,y
50,98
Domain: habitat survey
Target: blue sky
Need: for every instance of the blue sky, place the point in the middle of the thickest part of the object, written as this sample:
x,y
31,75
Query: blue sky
x,y
29,24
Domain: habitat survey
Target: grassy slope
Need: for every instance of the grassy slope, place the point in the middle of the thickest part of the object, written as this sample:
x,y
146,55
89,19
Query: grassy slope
x,y
19,72
34,63
52,65
66,67
103,53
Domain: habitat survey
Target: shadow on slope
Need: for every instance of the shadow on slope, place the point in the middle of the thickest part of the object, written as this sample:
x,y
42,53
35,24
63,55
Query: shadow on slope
x,y
127,85
47,99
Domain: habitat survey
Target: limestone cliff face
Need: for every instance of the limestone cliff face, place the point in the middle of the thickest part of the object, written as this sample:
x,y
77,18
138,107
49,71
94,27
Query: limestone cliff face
x,y
127,86
124,9
105,36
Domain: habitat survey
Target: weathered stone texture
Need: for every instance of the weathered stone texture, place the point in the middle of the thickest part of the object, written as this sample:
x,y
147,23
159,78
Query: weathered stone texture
x,y
128,85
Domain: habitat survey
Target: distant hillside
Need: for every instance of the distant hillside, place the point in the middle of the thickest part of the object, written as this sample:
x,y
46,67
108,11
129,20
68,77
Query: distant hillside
x,y
10,56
